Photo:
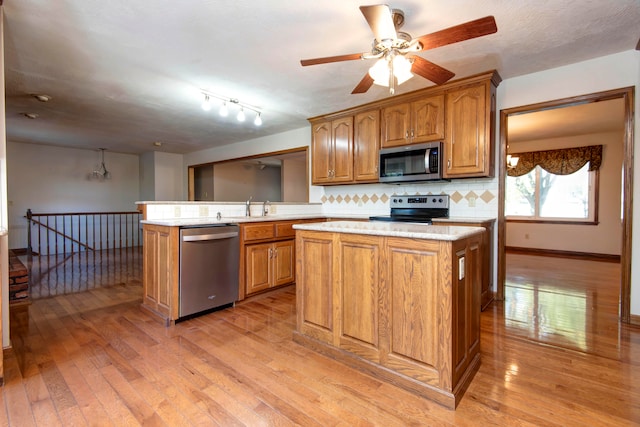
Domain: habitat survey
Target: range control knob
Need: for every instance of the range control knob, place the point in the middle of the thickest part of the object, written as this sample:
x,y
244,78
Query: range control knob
x,y
434,200
440,200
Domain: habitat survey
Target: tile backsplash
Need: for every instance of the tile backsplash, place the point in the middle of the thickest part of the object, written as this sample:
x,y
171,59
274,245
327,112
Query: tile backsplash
x,y
468,198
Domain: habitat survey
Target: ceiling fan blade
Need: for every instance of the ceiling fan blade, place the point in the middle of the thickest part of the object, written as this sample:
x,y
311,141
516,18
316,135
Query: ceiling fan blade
x,y
430,71
468,30
329,59
380,20
364,85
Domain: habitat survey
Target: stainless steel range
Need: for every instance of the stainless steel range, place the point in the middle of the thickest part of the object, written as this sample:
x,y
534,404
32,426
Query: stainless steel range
x,y
416,208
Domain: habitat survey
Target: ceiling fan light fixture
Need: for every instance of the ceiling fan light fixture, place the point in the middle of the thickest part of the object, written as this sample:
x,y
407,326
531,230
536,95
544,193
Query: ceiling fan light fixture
x,y
258,120
401,69
379,72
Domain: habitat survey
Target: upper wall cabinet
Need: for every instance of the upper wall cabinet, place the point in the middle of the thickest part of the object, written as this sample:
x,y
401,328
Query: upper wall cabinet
x,y
469,135
461,113
332,151
413,122
366,145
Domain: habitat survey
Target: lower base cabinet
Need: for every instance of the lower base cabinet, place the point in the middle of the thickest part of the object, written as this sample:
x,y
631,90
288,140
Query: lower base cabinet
x,y
269,265
406,310
160,273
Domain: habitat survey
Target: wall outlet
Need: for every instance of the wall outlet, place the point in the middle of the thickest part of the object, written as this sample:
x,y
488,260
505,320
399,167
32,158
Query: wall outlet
x,y
461,268
273,209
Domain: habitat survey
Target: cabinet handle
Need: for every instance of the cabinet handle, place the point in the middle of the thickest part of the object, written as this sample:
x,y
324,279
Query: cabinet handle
x,y
411,133
275,253
270,253
406,135
449,164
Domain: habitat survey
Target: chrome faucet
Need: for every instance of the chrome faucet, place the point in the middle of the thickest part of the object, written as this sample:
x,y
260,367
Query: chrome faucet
x,y
265,207
247,211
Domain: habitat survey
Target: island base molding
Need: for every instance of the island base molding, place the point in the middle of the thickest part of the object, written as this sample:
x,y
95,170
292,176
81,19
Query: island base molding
x,y
444,398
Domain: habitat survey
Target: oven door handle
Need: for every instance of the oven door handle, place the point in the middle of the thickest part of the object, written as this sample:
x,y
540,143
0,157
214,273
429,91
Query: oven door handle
x,y
427,152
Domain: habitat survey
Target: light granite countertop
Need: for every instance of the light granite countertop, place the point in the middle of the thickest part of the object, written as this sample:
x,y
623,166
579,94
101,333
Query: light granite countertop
x,y
196,222
394,229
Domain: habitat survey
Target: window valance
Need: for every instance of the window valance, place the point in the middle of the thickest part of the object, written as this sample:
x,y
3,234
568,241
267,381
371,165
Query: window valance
x,y
564,161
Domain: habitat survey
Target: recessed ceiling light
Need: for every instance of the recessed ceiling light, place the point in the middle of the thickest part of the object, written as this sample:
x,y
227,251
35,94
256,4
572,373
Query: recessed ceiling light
x,y
157,144
30,115
42,97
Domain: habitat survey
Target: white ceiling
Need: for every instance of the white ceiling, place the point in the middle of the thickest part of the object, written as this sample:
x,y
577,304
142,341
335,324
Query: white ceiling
x,y
123,74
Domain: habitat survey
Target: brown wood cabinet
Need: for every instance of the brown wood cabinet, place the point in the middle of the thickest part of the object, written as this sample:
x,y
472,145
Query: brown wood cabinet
x,y
413,122
267,255
461,113
405,310
269,265
366,146
332,151
160,270
469,136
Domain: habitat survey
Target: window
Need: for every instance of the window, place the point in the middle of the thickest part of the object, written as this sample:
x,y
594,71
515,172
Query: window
x,y
554,186
540,195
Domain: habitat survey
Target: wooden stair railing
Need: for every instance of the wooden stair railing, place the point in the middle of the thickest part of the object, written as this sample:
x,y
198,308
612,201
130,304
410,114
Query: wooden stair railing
x,y
82,231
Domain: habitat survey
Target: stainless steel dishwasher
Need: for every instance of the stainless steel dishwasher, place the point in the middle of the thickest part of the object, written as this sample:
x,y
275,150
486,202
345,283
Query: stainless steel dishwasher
x,y
209,263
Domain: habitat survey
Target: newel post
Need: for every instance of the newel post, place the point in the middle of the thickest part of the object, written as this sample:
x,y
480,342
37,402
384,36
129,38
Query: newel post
x,y
29,248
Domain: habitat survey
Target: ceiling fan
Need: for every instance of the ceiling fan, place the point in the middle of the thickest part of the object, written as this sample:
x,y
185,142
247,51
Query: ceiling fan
x,y
393,48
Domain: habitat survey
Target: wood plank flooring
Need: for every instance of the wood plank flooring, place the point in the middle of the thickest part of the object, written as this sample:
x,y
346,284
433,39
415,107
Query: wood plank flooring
x,y
96,358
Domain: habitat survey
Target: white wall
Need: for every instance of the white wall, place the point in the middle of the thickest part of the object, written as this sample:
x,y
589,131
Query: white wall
x,y
236,182
147,176
169,176
604,238
596,75
49,179
294,185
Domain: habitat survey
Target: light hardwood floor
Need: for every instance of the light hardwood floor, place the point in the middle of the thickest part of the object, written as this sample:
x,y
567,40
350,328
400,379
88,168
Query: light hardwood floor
x,y
96,358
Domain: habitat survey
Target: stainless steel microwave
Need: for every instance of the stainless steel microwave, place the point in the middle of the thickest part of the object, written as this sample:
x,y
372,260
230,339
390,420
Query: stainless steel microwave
x,y
418,162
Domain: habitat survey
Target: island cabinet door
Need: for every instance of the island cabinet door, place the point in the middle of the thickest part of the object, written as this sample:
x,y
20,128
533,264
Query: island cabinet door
x,y
315,290
414,303
358,305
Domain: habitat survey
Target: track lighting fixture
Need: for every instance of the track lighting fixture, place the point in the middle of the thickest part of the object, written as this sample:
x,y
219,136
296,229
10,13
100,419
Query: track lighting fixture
x,y
224,107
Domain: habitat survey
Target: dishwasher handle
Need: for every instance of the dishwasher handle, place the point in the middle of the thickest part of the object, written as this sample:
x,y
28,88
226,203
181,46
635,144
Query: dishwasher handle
x,y
214,236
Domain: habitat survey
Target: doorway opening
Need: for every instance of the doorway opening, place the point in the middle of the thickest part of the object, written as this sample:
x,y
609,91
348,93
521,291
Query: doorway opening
x,y
626,96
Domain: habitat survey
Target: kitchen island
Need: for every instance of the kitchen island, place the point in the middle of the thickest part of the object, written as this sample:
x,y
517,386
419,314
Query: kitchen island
x,y
400,301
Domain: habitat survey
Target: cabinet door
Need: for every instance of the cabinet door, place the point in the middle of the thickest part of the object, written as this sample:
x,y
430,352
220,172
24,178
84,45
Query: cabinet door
x,y
160,281
315,287
396,122
321,153
258,267
366,145
284,269
466,143
359,286
413,305
427,119
342,132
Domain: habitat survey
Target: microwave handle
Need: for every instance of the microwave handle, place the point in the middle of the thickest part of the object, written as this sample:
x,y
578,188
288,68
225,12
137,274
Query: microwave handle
x,y
426,159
